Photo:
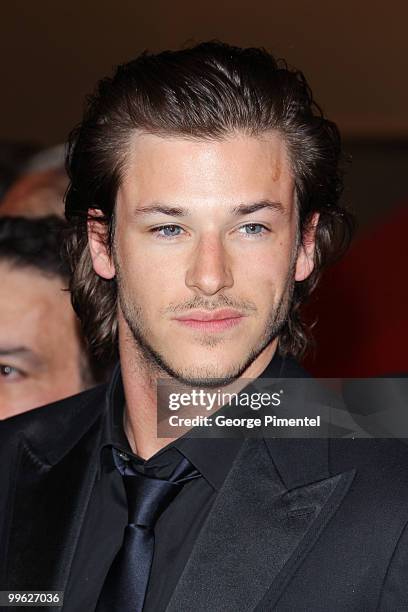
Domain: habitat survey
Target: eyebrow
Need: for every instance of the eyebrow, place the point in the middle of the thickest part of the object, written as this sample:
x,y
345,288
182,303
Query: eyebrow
x,y
241,209
23,351
247,209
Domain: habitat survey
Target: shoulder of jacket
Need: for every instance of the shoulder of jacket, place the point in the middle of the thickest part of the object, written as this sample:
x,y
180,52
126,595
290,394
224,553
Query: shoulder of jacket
x,y
70,411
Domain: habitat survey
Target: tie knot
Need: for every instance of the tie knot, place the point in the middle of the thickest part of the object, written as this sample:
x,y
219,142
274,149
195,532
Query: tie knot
x,y
148,497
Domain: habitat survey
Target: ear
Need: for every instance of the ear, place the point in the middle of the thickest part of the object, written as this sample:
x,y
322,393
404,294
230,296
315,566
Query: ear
x,y
306,253
97,240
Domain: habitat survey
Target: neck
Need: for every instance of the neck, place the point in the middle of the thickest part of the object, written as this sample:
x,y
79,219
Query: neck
x,y
140,377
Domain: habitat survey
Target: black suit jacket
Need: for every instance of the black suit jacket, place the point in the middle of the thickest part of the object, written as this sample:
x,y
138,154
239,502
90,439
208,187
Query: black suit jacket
x,y
306,525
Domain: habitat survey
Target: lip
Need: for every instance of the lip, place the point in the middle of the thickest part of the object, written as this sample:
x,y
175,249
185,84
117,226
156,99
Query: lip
x,y
216,315
217,320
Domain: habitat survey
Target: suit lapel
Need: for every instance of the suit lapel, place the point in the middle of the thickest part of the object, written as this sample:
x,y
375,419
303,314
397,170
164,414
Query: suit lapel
x,y
258,530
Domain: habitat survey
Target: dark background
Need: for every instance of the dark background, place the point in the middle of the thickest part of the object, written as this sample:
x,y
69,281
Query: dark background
x,y
354,54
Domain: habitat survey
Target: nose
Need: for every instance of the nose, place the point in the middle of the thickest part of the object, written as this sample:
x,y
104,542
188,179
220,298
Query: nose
x,y
209,271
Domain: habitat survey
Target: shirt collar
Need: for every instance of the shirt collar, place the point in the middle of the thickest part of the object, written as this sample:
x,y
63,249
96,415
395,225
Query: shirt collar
x,y
213,457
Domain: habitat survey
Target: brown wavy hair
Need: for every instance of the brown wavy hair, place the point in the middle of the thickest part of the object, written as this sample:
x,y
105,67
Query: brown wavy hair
x,y
204,92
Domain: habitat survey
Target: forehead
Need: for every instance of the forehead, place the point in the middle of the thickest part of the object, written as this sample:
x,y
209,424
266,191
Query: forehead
x,y
236,168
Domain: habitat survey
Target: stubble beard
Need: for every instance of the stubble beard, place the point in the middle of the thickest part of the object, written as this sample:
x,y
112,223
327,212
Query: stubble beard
x,y
158,366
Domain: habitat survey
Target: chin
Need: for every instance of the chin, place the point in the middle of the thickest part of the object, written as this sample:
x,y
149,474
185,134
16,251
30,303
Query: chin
x,y
204,374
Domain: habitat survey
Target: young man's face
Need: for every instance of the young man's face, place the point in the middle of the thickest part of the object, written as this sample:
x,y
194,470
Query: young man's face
x,y
205,252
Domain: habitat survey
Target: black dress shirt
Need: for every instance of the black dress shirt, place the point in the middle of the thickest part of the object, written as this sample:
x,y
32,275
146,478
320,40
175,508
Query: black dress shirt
x,y
177,528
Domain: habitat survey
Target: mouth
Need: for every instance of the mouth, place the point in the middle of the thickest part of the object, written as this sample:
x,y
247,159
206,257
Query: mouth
x,y
218,320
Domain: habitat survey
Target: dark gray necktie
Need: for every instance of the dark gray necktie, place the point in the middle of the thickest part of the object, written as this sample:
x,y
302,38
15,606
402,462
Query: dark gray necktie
x,y
125,586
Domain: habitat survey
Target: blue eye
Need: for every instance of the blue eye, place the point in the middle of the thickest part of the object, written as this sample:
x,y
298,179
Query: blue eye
x,y
253,229
6,370
9,372
168,231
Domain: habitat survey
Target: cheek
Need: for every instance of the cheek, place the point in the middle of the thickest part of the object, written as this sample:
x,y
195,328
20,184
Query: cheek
x,y
151,276
267,268
137,261
62,372
17,397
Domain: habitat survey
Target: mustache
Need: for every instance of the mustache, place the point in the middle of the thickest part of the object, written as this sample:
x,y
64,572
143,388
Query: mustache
x,y
200,303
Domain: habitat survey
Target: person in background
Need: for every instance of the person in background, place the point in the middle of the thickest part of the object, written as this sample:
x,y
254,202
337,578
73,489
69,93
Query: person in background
x,y
39,187
43,357
36,194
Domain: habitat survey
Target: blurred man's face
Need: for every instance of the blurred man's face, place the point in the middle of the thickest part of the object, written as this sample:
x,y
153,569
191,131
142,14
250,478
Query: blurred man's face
x,y
40,351
205,252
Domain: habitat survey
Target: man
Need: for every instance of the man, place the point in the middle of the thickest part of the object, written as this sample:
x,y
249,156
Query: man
x,y
36,319
203,204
